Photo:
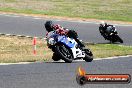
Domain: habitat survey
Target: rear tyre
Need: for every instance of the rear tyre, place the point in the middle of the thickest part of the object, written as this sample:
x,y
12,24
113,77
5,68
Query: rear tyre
x,y
119,39
111,41
64,52
88,55
55,57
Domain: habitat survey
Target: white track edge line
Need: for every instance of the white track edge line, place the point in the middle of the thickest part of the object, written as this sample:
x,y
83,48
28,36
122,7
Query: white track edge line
x,y
108,58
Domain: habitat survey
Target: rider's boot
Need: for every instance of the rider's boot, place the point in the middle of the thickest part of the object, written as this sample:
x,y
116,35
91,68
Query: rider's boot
x,y
81,45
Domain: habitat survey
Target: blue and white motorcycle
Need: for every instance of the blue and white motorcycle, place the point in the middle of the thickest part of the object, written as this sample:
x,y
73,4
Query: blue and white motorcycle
x,y
66,48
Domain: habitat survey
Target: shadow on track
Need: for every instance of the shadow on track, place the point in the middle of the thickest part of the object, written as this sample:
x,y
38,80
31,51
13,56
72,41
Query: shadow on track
x,y
64,62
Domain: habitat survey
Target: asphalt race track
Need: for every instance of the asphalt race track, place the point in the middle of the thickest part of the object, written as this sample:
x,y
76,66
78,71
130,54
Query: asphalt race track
x,y
30,26
59,74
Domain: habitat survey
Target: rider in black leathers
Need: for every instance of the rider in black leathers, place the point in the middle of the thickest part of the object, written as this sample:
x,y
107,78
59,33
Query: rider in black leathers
x,y
103,29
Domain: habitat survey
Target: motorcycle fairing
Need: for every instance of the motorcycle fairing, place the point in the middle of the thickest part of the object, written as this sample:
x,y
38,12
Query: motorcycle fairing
x,y
67,41
72,44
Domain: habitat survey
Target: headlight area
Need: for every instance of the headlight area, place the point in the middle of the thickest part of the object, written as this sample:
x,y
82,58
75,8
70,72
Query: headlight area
x,y
51,41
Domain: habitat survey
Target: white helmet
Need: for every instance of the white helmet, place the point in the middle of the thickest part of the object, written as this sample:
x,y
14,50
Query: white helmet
x,y
103,23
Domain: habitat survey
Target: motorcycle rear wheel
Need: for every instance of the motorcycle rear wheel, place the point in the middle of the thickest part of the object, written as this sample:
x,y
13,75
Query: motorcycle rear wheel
x,y
119,39
88,55
116,38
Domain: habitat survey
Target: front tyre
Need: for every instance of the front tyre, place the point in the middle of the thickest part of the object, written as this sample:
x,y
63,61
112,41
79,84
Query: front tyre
x,y
88,55
64,53
55,57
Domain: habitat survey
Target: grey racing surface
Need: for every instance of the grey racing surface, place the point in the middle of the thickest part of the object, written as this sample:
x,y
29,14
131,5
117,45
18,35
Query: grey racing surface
x,y
30,26
59,74
62,75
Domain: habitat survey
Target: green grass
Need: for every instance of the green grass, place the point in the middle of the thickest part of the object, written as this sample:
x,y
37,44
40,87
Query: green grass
x,y
20,49
120,10
109,50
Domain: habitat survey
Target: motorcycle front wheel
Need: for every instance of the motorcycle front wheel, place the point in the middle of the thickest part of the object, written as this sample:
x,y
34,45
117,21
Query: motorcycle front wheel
x,y
55,57
64,53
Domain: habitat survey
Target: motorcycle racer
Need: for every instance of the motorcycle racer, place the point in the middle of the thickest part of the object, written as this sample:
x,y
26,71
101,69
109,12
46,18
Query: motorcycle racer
x,y
62,31
104,30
